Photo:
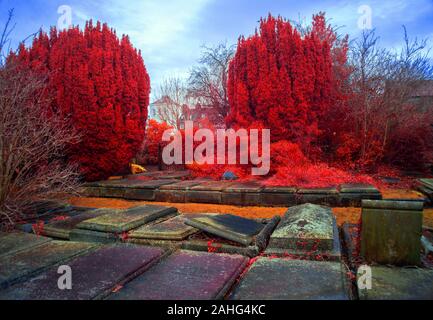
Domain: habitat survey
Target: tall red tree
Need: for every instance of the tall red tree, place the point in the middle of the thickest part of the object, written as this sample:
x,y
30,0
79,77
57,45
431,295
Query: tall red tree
x,y
287,80
101,83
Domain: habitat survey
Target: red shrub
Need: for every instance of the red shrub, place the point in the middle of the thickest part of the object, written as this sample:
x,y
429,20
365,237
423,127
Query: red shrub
x,y
101,83
152,142
285,80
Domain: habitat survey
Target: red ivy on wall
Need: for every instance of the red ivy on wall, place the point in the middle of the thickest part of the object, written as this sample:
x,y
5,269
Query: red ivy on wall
x,y
101,83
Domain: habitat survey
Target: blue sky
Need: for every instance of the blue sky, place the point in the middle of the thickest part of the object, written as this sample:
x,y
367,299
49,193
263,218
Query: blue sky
x,y
171,32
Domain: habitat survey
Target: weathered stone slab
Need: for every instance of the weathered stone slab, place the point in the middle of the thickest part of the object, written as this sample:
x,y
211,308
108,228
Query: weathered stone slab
x,y
186,275
13,243
307,227
62,229
81,235
140,194
94,275
214,197
426,191
427,183
207,192
278,197
125,220
175,175
242,194
173,229
183,186
175,193
358,188
21,266
126,188
351,195
322,196
279,279
206,242
229,227
212,186
399,284
146,190
391,232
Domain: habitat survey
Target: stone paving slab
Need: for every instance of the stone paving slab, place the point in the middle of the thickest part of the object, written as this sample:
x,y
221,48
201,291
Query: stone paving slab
x,y
62,229
206,242
175,193
242,194
81,235
26,264
326,191
278,197
173,229
186,275
184,185
207,192
323,196
279,279
212,186
358,188
244,187
399,284
229,227
13,243
125,220
310,224
94,275
427,183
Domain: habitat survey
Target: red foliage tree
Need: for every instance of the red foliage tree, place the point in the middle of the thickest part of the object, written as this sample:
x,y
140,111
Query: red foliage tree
x,y
100,82
286,80
153,142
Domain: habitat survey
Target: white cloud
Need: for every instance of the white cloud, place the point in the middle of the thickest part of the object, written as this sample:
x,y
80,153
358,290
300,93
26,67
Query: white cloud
x,y
163,30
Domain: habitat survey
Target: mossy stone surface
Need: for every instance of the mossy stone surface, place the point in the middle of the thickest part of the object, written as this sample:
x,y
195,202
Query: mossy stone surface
x,y
93,275
23,265
12,243
280,279
309,224
358,188
120,221
173,229
186,275
398,284
229,227
62,229
392,236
